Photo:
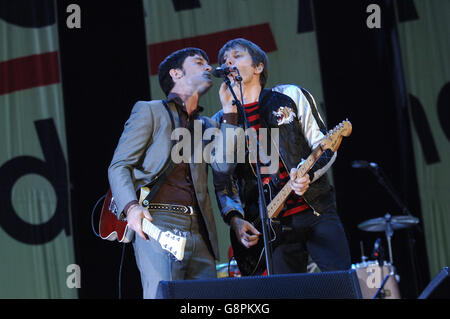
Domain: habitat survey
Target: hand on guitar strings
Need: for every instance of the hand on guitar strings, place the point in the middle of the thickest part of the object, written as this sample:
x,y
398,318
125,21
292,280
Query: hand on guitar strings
x,y
299,185
247,234
135,215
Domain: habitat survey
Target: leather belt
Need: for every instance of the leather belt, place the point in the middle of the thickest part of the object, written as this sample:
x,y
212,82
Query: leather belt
x,y
188,210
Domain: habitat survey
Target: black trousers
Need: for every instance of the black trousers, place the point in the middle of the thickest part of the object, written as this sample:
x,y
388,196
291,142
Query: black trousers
x,y
322,237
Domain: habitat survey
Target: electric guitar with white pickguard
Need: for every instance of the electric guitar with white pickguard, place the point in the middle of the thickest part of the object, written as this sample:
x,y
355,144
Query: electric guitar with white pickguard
x,y
111,228
251,260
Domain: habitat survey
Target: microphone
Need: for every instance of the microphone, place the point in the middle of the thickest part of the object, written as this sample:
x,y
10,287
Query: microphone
x,y
364,164
222,71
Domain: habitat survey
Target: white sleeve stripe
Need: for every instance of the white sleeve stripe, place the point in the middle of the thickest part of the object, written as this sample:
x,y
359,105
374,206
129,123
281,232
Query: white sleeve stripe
x,y
308,123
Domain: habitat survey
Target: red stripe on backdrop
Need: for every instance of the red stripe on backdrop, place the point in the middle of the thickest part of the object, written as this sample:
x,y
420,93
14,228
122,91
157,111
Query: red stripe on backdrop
x,y
260,34
28,72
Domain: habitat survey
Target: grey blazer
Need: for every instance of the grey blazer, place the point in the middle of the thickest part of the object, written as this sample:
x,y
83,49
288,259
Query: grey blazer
x,y
145,147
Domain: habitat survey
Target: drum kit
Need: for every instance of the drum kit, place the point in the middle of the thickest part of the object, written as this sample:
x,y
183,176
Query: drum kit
x,y
379,279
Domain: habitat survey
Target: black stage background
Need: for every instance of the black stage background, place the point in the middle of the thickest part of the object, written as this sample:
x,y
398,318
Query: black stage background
x,y
104,72
362,78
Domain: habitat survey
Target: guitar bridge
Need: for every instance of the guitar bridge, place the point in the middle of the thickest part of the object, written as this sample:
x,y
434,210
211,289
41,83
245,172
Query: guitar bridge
x,y
179,233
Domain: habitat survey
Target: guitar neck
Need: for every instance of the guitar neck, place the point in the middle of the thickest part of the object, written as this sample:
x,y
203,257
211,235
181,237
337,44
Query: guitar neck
x,y
275,206
150,229
169,241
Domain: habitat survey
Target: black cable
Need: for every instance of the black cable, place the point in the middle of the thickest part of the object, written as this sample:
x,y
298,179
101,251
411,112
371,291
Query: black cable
x,y
123,245
92,215
120,270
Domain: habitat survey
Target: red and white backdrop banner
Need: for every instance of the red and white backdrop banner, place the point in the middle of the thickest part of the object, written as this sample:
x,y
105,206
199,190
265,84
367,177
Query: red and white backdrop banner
x,y
35,226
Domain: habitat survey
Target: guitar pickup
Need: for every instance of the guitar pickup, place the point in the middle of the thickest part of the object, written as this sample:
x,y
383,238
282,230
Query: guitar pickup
x,y
113,206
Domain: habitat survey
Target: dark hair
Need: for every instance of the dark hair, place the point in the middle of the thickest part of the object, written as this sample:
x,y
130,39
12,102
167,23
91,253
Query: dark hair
x,y
175,61
258,55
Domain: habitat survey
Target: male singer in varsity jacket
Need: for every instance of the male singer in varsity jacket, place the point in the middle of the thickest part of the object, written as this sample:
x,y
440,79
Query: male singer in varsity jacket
x,y
310,216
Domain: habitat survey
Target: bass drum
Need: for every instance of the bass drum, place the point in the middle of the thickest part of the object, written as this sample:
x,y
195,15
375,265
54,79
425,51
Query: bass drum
x,y
371,275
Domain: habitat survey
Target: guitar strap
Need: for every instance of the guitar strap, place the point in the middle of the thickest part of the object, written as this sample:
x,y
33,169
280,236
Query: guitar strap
x,y
169,167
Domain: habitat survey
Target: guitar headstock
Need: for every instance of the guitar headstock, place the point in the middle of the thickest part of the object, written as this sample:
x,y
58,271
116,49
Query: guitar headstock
x,y
173,243
334,137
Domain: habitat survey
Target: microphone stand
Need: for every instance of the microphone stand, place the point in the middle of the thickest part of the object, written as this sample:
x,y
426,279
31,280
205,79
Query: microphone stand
x,y
378,172
381,295
383,180
262,201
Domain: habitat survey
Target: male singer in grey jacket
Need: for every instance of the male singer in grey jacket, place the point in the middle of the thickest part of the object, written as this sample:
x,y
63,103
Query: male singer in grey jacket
x,y
182,204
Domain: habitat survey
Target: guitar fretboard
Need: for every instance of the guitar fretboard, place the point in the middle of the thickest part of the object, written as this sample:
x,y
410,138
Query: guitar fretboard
x,y
274,208
150,229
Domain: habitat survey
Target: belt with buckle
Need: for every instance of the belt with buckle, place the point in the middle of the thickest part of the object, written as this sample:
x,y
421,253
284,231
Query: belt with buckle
x,y
188,210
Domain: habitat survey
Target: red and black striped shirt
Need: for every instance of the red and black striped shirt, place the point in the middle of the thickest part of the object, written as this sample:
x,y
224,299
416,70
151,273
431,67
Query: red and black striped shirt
x,y
294,203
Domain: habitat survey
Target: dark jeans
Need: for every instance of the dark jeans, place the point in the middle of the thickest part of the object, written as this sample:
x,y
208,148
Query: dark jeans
x,y
322,237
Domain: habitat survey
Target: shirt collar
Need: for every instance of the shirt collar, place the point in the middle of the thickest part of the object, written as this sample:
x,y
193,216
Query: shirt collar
x,y
174,97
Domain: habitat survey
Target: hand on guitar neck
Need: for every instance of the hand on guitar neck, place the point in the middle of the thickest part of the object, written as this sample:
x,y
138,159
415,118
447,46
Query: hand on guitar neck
x,y
299,184
135,215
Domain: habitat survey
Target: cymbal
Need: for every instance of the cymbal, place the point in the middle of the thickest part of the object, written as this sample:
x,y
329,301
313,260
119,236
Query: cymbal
x,y
379,224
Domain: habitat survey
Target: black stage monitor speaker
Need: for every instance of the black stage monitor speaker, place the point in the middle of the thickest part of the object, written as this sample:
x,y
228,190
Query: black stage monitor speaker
x,y
439,287
330,285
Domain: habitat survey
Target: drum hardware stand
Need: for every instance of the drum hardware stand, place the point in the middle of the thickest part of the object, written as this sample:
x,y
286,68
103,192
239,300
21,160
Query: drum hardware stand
x,y
380,293
363,257
382,179
389,232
